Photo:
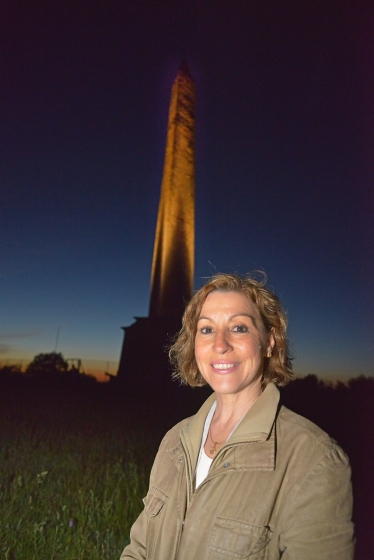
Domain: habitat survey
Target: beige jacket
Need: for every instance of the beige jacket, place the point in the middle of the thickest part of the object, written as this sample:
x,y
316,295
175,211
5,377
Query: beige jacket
x,y
279,488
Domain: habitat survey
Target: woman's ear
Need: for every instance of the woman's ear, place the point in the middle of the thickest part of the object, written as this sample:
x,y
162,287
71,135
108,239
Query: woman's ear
x,y
270,342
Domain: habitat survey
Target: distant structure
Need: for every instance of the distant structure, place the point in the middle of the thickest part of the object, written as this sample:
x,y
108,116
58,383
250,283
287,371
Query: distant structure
x,y
173,255
143,364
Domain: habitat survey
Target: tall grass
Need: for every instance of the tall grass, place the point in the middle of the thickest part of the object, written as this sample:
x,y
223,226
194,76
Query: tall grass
x,y
75,458
70,489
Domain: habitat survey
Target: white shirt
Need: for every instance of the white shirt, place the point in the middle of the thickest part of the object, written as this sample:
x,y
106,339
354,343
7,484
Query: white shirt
x,y
203,461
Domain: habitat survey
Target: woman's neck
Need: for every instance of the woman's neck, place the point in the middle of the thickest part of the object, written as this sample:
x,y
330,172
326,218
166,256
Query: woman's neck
x,y
231,408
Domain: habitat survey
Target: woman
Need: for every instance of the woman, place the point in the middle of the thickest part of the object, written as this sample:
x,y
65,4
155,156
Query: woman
x,y
244,477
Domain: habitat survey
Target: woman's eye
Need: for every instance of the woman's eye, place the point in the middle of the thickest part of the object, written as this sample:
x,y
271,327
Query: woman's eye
x,y
206,330
240,328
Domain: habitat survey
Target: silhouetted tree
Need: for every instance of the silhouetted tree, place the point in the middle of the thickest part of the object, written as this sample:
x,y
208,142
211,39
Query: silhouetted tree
x,y
10,371
51,363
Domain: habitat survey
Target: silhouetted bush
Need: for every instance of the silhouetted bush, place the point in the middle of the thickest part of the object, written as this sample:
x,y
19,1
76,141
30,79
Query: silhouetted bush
x,y
10,372
51,363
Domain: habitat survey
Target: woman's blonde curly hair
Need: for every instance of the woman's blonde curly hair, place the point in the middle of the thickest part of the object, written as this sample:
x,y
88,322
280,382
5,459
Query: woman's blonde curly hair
x,y
277,368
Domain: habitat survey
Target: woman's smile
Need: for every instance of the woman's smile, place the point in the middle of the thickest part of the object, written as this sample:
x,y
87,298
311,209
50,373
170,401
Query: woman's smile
x,y
223,366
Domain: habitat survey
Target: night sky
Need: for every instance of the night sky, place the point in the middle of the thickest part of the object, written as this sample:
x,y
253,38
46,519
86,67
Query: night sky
x,y
284,166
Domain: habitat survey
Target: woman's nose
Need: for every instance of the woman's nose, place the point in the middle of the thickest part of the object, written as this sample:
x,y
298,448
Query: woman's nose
x,y
221,343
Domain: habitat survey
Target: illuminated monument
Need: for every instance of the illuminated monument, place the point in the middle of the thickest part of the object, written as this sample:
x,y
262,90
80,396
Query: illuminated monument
x,y
173,256
143,362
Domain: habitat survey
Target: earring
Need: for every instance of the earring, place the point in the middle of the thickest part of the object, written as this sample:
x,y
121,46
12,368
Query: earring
x,y
269,353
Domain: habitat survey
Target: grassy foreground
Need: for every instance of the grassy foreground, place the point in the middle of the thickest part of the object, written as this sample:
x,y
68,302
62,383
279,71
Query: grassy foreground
x,y
75,458
69,490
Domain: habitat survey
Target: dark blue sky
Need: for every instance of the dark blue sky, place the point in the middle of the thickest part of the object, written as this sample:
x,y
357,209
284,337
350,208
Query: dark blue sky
x,y
284,171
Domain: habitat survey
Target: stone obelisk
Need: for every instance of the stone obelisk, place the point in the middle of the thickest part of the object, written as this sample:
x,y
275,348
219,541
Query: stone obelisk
x,y
173,256
143,364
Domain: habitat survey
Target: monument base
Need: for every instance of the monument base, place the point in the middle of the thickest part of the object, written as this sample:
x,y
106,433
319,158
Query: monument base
x,y
144,370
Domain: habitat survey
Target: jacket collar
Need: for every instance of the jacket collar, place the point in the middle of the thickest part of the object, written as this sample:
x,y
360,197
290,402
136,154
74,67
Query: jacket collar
x,y
258,422
255,426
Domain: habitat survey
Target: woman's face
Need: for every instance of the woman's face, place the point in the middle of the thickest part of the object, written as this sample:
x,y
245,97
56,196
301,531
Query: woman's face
x,y
231,343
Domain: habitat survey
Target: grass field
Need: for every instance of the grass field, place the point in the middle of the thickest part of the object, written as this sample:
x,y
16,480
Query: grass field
x,y
70,486
75,460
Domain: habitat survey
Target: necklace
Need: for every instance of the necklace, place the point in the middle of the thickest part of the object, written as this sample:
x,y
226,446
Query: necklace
x,y
215,443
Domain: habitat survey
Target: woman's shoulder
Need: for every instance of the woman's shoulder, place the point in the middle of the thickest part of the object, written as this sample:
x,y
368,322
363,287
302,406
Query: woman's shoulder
x,y
304,433
300,423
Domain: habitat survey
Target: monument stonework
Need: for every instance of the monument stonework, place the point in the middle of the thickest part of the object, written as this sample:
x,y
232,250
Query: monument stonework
x,y
173,256
143,364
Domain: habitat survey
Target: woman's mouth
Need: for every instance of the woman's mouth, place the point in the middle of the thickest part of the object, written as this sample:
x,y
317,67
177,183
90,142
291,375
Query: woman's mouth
x,y
224,367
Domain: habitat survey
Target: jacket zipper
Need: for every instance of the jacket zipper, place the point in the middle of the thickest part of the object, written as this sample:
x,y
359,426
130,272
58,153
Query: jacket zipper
x,y
189,493
189,476
179,538
211,473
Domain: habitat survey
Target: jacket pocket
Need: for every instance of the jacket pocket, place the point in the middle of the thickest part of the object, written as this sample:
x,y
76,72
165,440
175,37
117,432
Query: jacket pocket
x,y
235,539
154,501
153,507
